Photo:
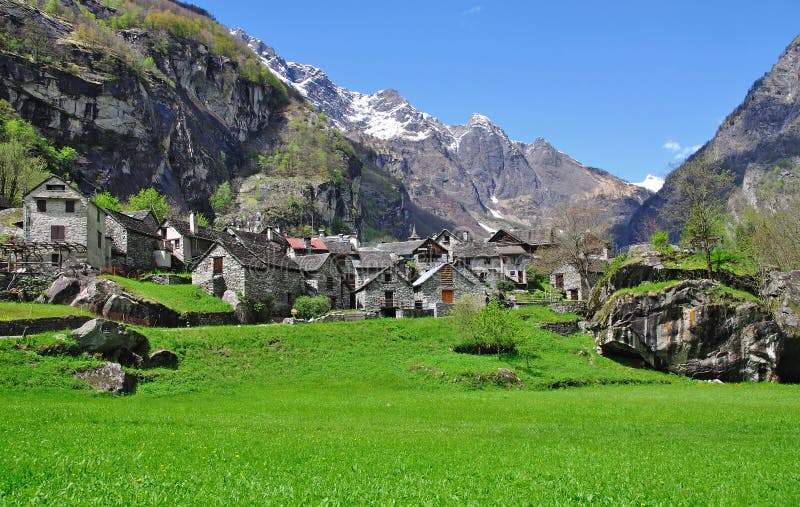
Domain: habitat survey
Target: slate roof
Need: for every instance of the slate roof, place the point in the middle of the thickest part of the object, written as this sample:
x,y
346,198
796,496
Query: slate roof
x,y
378,274
131,223
185,231
311,262
472,249
510,249
336,245
252,250
535,237
139,214
401,247
427,275
373,259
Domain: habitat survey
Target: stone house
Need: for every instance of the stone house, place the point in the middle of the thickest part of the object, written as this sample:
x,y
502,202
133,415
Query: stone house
x,y
573,283
422,253
252,265
438,288
493,262
181,243
133,240
533,241
387,292
305,246
449,240
324,278
65,224
369,263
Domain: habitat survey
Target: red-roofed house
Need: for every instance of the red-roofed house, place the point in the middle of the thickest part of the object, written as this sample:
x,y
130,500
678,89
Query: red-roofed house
x,y
305,246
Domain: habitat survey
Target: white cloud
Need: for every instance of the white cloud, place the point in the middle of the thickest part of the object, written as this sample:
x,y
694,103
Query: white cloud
x,y
475,9
681,152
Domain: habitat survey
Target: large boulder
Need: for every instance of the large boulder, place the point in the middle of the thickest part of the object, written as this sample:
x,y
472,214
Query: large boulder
x,y
163,358
106,337
109,378
95,294
695,329
239,308
782,294
62,291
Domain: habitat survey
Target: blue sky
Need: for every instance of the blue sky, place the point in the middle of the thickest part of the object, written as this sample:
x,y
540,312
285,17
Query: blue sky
x,y
630,87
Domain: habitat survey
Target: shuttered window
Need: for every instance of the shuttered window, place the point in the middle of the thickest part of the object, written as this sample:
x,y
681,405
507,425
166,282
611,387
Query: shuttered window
x,y
57,233
217,265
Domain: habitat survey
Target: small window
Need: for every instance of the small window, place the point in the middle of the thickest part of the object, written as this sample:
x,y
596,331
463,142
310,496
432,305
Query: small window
x,y
329,282
487,261
217,265
98,215
99,239
56,188
70,207
55,259
41,205
57,233
559,281
512,273
387,277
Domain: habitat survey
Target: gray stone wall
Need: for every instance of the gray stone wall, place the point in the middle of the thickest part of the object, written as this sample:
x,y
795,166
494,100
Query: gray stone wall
x,y
119,235
140,251
80,226
371,297
430,292
338,292
232,277
282,286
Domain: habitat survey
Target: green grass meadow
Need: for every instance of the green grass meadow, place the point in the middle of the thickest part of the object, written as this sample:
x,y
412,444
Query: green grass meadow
x,y
21,311
382,413
181,298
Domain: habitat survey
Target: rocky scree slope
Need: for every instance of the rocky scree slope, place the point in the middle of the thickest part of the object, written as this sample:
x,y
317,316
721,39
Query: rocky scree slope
x,y
462,175
758,142
147,106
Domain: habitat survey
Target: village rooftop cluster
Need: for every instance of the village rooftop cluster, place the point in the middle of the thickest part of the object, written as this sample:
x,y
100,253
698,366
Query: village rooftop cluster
x,y
63,227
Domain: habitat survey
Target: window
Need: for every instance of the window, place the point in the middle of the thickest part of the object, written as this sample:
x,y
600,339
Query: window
x,y
447,296
41,205
512,273
487,261
98,215
329,282
217,265
55,259
57,233
559,281
387,277
99,239
56,188
70,207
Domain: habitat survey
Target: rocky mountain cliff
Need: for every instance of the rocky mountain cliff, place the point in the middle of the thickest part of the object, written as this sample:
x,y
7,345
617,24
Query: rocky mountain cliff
x,y
158,94
469,175
759,143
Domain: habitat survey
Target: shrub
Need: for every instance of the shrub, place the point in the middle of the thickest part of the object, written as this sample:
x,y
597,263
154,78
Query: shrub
x,y
309,307
506,286
660,242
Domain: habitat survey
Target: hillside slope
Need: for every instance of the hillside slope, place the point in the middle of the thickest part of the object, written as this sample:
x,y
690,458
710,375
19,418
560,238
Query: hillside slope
x,y
759,142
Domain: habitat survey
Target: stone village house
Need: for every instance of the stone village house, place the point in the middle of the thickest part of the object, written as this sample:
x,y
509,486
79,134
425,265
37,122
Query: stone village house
x,y
493,262
67,227
387,292
438,288
251,265
134,240
324,278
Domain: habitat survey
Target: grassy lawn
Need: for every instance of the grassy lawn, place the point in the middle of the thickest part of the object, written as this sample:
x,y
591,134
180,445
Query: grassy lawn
x,y
544,314
381,412
17,311
181,298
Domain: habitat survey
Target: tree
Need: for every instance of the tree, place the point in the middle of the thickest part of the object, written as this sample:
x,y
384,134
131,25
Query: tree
x,y
148,198
202,220
107,201
19,170
581,238
660,242
703,187
222,199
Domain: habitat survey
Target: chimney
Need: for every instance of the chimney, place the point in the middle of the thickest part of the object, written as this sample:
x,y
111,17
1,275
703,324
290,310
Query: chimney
x,y
321,233
269,233
465,235
192,223
307,243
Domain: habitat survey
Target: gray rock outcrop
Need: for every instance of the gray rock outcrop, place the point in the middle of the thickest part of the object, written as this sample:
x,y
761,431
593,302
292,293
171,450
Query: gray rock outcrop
x,y
109,378
162,358
104,336
695,330
62,291
782,294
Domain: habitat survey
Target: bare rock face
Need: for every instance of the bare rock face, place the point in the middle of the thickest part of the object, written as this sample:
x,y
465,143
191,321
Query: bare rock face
x,y
62,291
782,294
692,330
104,336
109,378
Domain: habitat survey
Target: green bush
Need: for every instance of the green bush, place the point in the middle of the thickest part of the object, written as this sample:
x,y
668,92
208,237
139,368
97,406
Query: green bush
x,y
310,307
506,286
660,241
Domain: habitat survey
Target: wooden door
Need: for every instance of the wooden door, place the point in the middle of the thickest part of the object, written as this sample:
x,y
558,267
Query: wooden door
x,y
447,296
